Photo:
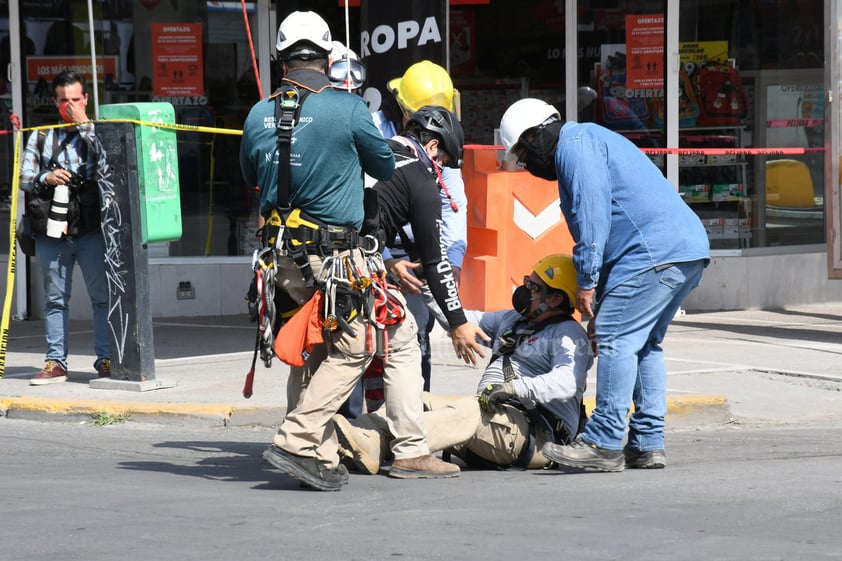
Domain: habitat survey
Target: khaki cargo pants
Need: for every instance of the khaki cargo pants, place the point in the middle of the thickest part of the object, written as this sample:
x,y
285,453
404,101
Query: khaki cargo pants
x,y
317,390
459,423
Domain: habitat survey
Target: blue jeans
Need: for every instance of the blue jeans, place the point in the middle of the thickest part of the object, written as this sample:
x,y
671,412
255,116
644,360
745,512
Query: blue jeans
x,y
630,324
57,258
426,321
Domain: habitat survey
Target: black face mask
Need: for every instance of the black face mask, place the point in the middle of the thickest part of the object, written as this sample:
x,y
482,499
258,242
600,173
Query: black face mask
x,y
540,153
522,300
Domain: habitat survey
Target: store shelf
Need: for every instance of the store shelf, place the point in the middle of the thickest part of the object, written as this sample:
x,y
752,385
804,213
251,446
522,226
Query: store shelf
x,y
716,187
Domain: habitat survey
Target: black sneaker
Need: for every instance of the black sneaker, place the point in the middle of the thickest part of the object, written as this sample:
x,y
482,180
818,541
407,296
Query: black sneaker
x,y
583,456
653,459
308,470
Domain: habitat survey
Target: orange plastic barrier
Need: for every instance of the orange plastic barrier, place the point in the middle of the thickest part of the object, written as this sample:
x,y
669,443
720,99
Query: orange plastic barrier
x,y
513,221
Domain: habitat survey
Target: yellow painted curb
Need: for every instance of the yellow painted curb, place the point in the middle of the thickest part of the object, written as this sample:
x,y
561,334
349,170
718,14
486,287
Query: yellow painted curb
x,y
93,406
678,405
675,406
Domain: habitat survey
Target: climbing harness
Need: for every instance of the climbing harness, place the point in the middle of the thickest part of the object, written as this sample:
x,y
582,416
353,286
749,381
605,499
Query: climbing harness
x,y
351,290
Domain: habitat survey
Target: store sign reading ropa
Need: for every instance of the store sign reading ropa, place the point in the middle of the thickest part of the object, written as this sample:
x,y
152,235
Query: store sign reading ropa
x,y
48,67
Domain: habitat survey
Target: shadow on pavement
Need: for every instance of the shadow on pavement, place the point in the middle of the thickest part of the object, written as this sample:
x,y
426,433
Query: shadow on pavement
x,y
222,461
819,334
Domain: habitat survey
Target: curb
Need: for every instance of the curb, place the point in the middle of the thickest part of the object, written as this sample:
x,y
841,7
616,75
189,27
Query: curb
x,y
221,414
690,409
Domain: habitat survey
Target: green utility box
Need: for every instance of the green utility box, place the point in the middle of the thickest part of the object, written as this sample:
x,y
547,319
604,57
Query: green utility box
x,y
157,168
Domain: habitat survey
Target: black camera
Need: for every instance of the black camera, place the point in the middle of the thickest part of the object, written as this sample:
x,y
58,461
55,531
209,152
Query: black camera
x,y
76,181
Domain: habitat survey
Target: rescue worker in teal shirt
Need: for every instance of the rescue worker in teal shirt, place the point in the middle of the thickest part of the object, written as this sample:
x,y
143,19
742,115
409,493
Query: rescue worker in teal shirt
x,y
334,142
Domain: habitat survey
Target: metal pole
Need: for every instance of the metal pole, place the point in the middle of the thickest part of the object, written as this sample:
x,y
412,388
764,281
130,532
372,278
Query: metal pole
x,y
673,65
571,61
446,35
265,43
16,78
94,80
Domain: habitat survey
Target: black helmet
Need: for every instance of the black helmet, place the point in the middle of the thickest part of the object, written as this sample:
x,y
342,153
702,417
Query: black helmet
x,y
443,123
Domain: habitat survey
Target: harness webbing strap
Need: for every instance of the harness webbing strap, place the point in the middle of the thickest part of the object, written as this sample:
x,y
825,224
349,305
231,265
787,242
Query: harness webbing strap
x,y
287,107
288,102
538,415
512,338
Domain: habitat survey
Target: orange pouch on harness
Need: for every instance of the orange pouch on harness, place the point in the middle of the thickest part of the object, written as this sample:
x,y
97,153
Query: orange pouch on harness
x,y
300,335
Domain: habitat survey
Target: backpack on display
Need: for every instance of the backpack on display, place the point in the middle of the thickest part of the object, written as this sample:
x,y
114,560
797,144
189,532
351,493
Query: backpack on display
x,y
616,110
722,98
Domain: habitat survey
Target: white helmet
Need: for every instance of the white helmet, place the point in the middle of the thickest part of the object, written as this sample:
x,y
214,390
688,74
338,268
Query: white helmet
x,y
523,115
303,35
344,69
340,52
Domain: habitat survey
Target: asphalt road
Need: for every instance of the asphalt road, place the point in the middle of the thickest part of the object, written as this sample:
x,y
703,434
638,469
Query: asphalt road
x,y
139,491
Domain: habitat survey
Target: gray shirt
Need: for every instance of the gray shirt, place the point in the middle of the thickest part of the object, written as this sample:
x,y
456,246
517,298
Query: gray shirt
x,y
551,366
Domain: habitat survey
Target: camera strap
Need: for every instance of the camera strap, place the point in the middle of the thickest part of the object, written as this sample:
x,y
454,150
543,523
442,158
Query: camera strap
x,y
58,148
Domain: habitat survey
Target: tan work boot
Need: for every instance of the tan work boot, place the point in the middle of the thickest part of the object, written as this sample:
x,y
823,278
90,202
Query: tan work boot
x,y
423,467
364,445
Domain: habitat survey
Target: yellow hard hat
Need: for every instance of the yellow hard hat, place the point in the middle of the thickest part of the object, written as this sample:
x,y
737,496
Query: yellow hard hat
x,y
557,272
423,83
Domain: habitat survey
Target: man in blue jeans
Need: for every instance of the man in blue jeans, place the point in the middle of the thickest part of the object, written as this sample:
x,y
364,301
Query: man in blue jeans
x,y
65,159
639,251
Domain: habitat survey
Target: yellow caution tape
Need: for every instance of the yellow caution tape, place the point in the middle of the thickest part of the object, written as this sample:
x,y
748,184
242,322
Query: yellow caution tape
x,y
10,272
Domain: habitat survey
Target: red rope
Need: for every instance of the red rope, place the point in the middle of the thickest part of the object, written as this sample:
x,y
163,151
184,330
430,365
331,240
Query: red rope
x,y
251,48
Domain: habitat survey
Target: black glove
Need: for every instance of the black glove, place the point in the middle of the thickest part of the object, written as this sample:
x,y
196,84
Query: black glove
x,y
495,395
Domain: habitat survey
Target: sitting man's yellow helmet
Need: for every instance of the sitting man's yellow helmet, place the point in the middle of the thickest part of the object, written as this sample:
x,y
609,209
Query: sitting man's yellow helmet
x,y
557,272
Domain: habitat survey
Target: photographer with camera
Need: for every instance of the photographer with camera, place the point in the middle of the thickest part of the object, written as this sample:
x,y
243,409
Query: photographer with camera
x,y
58,172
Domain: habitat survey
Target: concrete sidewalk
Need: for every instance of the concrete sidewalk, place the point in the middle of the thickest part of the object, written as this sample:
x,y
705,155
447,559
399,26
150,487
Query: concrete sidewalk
x,y
748,367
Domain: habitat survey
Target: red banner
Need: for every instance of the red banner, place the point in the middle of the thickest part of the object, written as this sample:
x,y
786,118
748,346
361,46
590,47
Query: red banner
x,y
48,67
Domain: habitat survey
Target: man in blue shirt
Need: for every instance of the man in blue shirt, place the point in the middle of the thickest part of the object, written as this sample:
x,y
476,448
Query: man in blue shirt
x,y
639,251
65,159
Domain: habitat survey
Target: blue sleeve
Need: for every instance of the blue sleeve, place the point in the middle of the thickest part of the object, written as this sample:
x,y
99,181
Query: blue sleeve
x,y
454,232
30,165
490,322
584,189
375,153
384,125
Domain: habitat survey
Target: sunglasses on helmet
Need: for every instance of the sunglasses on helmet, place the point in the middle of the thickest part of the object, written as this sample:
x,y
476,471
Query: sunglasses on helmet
x,y
344,72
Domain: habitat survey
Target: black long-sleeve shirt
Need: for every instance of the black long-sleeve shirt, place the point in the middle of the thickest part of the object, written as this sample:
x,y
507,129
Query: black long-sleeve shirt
x,y
412,197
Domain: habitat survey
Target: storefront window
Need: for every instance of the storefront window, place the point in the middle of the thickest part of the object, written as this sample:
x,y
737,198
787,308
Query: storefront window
x,y
767,190
215,86
751,109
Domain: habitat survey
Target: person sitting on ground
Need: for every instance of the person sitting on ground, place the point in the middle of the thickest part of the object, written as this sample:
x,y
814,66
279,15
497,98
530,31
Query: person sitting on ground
x,y
530,393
